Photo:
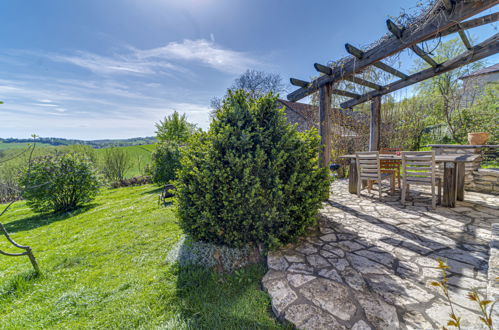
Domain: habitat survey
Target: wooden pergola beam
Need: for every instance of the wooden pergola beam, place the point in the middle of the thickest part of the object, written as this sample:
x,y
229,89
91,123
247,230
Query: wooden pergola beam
x,y
448,5
345,93
478,52
363,82
298,82
389,69
465,40
466,25
380,65
322,68
439,22
398,32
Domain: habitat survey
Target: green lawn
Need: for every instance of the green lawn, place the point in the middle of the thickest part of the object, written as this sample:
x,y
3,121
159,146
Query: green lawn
x,y
104,267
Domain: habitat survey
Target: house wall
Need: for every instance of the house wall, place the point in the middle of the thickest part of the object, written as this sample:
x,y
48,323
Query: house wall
x,y
474,86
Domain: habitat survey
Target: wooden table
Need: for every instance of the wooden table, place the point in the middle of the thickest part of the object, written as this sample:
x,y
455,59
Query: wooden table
x,y
453,174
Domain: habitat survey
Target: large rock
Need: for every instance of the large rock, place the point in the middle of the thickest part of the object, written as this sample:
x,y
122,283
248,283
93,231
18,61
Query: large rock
x,y
330,296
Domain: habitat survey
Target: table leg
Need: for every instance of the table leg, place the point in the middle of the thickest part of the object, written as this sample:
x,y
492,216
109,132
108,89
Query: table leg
x,y
460,181
352,177
450,184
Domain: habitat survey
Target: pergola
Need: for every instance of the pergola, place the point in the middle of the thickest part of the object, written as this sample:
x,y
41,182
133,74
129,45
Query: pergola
x,y
445,17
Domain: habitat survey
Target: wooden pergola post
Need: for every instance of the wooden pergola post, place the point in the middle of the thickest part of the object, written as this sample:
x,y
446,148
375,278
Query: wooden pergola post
x,y
375,124
325,125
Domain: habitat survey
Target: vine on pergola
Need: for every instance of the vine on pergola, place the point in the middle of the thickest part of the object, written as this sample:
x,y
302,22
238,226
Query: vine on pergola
x,y
439,18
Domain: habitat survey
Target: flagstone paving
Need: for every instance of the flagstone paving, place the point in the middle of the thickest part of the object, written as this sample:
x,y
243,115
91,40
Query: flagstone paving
x,y
369,264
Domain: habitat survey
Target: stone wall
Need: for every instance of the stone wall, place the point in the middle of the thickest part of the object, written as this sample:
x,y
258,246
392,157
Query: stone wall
x,y
469,167
475,178
485,180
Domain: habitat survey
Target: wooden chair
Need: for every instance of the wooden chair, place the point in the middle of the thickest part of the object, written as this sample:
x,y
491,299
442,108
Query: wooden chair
x,y
419,168
368,168
168,191
391,165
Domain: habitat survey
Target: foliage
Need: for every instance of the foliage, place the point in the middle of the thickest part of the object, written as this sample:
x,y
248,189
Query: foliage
x,y
61,182
140,158
174,128
104,268
482,116
116,163
447,90
9,188
256,83
165,162
485,306
252,179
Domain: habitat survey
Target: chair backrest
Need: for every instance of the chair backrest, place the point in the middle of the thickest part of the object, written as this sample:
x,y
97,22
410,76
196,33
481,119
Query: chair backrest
x,y
368,165
418,167
390,164
391,151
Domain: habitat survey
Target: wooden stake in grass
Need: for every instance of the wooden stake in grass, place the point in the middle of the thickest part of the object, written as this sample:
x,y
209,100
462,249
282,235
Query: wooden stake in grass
x,y
28,252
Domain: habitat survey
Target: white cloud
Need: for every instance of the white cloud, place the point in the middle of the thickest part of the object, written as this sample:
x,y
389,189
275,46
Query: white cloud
x,y
202,51
87,109
160,60
119,64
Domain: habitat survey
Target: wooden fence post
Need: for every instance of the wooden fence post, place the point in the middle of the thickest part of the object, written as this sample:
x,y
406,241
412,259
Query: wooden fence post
x,y
375,124
325,125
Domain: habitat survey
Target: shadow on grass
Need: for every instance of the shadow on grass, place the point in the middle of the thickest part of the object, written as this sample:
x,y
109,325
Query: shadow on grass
x,y
44,219
209,300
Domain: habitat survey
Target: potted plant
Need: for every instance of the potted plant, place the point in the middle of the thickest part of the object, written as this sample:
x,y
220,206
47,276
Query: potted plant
x,y
478,138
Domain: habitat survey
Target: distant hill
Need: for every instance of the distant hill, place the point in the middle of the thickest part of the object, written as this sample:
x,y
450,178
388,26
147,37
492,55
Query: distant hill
x,y
97,144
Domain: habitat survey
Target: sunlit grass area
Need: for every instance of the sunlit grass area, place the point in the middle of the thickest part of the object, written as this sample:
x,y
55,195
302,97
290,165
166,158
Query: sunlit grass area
x,y
104,267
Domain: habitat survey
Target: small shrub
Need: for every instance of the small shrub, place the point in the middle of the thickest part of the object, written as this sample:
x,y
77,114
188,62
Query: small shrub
x,y
252,179
165,162
135,181
60,182
9,185
116,163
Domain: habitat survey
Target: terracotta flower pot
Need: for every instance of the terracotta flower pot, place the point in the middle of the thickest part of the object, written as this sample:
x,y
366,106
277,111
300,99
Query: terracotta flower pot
x,y
478,138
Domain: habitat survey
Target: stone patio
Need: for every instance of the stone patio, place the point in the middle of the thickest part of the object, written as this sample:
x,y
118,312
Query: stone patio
x,y
369,264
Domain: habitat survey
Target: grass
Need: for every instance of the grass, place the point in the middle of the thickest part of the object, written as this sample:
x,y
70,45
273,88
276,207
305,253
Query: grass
x,y
104,267
140,156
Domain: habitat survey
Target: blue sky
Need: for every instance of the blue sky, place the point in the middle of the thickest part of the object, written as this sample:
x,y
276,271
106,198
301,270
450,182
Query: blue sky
x,y
92,69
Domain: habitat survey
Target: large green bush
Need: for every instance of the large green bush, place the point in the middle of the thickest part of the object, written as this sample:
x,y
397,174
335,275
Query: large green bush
x,y
252,179
165,162
60,182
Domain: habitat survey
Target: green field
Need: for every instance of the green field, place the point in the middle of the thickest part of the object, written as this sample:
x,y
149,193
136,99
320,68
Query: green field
x,y
140,156
8,146
104,267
